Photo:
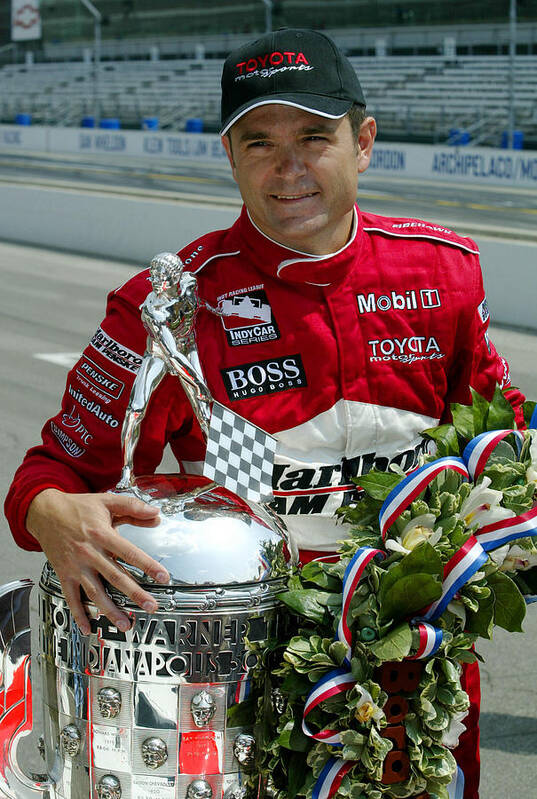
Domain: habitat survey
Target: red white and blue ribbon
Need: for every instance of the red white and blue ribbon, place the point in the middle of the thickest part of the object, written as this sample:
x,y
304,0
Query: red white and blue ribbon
x,y
341,679
243,689
351,578
478,450
430,641
499,533
335,682
331,778
414,483
455,788
457,571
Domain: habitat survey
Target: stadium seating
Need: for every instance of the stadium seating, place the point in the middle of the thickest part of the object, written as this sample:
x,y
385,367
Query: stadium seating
x,y
418,98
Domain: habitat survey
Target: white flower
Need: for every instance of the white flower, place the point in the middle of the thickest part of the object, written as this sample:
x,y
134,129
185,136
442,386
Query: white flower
x,y
531,474
518,559
499,555
415,532
451,735
533,445
482,506
366,708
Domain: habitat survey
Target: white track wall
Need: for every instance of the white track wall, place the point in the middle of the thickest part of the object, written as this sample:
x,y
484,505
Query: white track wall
x,y
133,228
467,164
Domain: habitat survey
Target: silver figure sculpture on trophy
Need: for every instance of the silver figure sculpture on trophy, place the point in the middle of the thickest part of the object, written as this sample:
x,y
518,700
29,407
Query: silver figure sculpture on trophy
x,y
169,315
148,712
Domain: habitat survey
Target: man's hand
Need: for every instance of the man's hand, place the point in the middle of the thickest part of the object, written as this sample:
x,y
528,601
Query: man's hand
x,y
77,534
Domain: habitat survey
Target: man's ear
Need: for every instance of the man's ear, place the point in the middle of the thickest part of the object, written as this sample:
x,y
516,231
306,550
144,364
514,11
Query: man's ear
x,y
226,144
366,138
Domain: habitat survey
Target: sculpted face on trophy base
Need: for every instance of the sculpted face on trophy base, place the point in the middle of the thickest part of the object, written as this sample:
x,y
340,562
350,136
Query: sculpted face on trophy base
x,y
109,787
278,701
109,702
199,789
244,749
71,740
235,791
154,752
203,708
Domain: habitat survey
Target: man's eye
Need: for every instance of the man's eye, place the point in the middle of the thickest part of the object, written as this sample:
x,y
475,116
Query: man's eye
x,y
257,144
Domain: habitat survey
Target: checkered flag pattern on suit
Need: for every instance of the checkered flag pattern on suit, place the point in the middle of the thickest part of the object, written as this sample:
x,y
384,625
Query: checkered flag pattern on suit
x,y
240,455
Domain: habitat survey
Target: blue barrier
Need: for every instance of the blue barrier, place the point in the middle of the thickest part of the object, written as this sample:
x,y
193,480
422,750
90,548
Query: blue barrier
x,y
87,122
150,123
110,123
458,138
23,119
194,125
518,139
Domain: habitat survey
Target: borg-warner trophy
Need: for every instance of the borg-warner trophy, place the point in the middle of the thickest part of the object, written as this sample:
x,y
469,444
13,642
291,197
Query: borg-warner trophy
x,y
149,713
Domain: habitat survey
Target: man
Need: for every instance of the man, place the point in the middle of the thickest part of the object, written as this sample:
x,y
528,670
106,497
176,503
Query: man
x,y
345,333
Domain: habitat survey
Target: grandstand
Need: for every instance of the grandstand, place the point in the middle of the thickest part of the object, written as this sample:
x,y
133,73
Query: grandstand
x,y
423,78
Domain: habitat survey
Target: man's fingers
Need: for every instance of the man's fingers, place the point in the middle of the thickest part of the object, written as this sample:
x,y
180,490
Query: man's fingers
x,y
119,520
131,507
123,582
95,592
71,591
121,548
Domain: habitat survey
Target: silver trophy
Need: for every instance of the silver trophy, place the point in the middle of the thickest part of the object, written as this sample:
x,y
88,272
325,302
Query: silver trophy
x,y
150,712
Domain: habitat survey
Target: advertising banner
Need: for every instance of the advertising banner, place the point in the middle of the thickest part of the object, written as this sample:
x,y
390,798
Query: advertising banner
x,y
25,20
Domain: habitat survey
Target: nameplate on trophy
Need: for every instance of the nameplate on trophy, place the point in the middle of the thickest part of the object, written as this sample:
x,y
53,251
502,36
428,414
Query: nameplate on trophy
x,y
152,787
111,747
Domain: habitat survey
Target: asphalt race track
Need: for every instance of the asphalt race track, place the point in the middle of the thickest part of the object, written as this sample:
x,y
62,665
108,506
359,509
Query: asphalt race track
x,y
52,302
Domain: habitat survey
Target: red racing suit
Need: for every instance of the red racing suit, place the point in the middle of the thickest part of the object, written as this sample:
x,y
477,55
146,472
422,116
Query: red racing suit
x,y
345,358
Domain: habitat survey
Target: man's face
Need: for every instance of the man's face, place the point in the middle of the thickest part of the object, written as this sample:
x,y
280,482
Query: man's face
x,y
298,173
244,749
154,752
71,739
109,702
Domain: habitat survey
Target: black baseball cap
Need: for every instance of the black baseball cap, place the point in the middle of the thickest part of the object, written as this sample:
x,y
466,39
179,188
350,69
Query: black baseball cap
x,y
302,68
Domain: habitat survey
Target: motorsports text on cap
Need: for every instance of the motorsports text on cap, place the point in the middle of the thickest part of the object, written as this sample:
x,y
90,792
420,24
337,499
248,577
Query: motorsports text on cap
x,y
275,59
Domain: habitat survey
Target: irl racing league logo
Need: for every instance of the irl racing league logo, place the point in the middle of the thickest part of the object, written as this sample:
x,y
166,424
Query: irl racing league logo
x,y
247,317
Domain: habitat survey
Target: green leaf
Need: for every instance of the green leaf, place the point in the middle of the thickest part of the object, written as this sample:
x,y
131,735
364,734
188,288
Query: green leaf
x,y
480,411
338,651
463,419
378,484
297,772
501,414
526,581
509,605
422,560
352,738
445,437
243,714
527,409
294,686
308,602
316,573
482,622
395,645
410,594
292,737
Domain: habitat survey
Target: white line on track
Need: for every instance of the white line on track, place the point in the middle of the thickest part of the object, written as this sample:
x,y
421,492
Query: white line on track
x,y
65,359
